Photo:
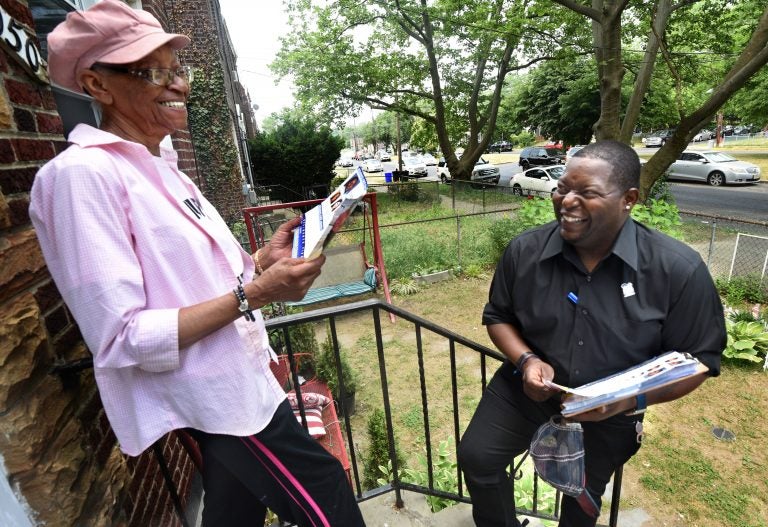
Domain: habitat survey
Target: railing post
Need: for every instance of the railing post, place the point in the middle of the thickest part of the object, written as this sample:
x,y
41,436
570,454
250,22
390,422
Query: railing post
x,y
613,519
387,408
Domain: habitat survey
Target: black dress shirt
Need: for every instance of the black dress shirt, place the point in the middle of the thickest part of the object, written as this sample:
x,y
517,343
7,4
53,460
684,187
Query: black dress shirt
x,y
650,295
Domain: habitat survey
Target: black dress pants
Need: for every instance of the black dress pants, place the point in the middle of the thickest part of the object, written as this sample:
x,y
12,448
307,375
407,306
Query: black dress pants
x,y
502,428
282,468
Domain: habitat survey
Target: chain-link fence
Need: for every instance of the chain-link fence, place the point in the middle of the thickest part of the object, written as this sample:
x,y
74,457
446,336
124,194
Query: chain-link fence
x,y
731,247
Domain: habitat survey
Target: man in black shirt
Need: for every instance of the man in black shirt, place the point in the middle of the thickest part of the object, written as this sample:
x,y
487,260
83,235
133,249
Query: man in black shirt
x,y
586,296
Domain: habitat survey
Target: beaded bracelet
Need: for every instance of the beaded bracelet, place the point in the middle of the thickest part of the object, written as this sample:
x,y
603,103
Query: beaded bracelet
x,y
525,357
243,303
259,269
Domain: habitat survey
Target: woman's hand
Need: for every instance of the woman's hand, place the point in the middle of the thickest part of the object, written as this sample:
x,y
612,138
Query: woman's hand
x,y
287,279
280,245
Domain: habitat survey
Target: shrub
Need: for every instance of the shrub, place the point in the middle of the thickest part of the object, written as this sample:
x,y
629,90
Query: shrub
x,y
747,341
660,215
443,476
501,232
407,192
325,367
742,289
404,286
377,463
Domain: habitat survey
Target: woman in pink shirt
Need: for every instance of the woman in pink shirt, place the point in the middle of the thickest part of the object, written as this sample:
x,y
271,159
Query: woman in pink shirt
x,y
166,299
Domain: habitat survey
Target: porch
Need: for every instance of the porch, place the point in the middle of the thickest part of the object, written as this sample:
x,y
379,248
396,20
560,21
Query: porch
x,y
445,373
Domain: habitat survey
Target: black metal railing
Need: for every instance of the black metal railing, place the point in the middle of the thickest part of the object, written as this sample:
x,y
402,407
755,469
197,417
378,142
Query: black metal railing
x,y
423,330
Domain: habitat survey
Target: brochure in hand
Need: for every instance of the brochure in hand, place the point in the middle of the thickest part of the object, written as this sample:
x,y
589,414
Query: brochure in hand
x,y
666,369
327,217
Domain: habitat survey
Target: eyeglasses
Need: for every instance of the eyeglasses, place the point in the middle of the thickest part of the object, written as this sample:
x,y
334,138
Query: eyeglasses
x,y
158,76
587,194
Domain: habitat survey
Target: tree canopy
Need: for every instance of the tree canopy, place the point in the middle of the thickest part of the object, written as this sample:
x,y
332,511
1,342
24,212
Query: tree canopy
x,y
656,62
296,155
442,61
732,35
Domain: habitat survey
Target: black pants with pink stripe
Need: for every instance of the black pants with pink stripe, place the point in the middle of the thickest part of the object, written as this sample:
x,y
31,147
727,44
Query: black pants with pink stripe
x,y
282,468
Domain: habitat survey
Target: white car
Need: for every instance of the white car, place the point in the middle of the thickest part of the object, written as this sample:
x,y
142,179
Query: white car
x,y
537,180
415,166
704,135
344,162
372,165
716,168
483,172
429,160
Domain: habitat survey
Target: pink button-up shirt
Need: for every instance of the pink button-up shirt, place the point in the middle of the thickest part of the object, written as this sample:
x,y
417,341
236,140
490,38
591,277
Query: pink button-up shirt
x,y
129,240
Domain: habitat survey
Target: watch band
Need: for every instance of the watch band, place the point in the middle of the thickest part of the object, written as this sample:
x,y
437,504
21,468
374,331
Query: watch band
x,y
242,303
640,405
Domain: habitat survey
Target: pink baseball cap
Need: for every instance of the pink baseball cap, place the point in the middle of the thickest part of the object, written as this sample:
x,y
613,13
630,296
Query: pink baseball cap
x,y
108,32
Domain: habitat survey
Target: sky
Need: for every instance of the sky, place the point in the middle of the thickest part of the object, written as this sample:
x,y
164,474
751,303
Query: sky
x,y
255,29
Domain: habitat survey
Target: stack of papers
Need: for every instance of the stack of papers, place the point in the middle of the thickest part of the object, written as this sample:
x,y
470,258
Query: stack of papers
x,y
327,217
661,371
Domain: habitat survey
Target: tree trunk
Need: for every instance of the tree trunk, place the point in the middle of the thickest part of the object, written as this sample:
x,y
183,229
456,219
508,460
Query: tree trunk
x,y
645,73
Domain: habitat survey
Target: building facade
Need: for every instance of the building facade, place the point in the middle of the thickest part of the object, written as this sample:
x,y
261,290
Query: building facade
x,y
59,462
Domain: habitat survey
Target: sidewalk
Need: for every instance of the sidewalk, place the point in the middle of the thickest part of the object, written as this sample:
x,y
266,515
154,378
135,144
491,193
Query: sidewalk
x,y
381,512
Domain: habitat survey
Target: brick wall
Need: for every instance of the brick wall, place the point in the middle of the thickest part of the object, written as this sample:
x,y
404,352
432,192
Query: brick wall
x,y
57,447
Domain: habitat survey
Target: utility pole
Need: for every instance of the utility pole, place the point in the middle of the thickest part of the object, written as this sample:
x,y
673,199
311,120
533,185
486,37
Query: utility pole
x,y
399,146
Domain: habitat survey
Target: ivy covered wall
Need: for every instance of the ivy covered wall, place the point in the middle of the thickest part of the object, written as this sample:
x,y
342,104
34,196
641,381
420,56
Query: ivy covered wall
x,y
211,124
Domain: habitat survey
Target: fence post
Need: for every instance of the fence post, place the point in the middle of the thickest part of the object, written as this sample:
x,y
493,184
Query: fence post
x,y
453,195
458,239
711,244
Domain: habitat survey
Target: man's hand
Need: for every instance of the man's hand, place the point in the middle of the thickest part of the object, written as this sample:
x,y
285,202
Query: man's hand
x,y
535,372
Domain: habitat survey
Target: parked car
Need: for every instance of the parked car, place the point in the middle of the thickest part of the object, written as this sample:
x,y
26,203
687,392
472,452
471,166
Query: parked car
x,y
704,135
500,146
572,150
540,156
483,172
716,168
372,165
415,166
429,160
537,180
659,138
384,155
344,162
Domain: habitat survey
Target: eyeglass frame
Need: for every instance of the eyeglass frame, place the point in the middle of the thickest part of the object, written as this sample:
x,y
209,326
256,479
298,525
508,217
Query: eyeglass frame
x,y
184,72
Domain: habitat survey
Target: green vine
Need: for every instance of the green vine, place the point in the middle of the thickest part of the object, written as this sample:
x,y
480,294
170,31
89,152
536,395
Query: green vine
x,y
210,127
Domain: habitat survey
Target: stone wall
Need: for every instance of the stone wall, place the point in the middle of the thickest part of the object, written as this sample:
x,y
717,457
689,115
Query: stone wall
x,y
56,447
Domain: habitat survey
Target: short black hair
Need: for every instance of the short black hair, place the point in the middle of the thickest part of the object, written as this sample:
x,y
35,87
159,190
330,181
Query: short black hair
x,y
622,158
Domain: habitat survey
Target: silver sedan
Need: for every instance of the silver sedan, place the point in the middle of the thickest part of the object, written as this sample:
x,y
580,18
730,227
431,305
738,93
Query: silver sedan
x,y
716,168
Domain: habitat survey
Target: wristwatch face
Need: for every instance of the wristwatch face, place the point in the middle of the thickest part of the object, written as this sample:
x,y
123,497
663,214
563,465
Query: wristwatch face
x,y
243,306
